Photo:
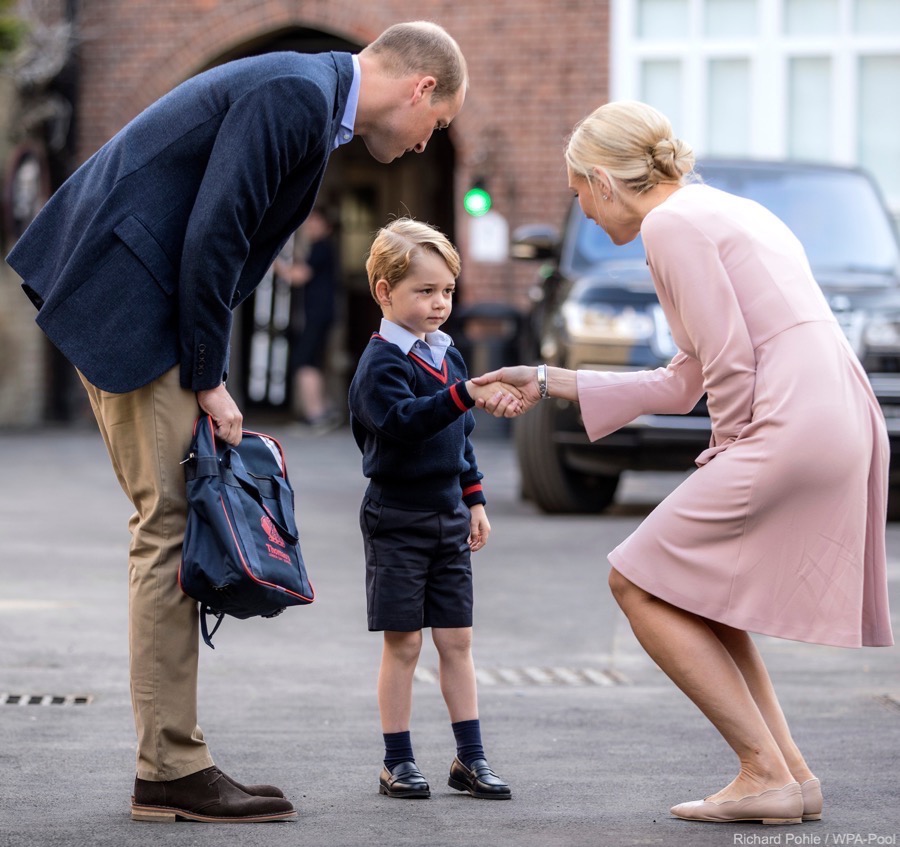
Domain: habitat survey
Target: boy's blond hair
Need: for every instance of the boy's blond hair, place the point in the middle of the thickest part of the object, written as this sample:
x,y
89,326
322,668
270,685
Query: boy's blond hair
x,y
396,246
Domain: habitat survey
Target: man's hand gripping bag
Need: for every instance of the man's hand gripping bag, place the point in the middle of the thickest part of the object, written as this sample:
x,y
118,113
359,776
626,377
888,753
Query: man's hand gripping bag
x,y
241,552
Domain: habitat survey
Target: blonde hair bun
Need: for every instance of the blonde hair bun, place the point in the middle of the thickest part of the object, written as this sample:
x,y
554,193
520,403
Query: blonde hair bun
x,y
633,142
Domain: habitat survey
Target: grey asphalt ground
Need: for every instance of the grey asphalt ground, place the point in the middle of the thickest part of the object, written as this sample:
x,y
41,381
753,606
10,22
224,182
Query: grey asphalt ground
x,y
595,742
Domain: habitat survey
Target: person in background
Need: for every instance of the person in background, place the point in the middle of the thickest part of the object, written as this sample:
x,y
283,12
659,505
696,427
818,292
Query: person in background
x,y
313,296
135,266
767,535
423,513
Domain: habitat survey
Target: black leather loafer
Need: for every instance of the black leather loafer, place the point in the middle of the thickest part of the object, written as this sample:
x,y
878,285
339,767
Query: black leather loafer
x,y
404,781
206,796
479,780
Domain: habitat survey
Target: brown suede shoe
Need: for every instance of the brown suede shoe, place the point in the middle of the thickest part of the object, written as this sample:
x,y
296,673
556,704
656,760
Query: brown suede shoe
x,y
204,796
257,790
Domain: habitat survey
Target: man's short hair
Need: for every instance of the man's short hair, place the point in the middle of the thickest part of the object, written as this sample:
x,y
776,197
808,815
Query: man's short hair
x,y
422,47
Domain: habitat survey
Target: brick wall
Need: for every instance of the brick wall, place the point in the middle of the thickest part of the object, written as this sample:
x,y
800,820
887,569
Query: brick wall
x,y
535,69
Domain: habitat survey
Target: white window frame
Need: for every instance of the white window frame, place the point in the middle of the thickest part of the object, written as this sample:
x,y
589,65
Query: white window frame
x,y
769,52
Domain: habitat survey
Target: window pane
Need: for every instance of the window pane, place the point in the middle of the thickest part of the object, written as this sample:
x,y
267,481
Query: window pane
x,y
662,19
730,18
809,109
728,115
836,214
879,123
877,16
661,88
810,17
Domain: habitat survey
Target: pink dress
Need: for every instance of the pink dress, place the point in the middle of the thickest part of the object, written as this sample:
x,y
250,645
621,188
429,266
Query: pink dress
x,y
780,531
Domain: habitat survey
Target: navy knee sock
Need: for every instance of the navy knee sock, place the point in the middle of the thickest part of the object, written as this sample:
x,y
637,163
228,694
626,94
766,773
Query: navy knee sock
x,y
397,748
468,741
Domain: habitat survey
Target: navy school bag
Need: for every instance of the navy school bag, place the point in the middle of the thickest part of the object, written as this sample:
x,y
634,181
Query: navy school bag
x,y
241,553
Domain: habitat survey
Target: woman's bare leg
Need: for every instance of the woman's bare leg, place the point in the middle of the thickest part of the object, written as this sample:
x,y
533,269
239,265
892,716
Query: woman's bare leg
x,y
743,651
692,655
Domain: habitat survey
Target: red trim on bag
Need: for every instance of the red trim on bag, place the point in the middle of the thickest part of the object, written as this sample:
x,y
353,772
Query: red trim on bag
x,y
277,443
250,573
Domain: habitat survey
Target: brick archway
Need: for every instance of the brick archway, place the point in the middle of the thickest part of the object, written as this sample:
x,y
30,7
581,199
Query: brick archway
x,y
205,45
131,65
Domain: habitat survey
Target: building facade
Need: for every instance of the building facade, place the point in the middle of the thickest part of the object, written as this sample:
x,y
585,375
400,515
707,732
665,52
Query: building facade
x,y
815,80
529,83
802,79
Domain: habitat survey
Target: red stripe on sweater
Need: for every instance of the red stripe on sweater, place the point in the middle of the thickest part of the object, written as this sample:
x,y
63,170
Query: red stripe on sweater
x,y
440,375
454,393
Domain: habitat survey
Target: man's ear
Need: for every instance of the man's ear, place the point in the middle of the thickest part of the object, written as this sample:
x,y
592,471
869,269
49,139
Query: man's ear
x,y
425,86
383,292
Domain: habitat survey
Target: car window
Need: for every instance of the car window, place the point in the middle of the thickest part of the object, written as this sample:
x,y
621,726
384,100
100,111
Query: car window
x,y
837,215
591,245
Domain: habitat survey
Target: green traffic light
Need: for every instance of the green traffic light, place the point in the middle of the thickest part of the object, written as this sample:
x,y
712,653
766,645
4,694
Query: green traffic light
x,y
477,202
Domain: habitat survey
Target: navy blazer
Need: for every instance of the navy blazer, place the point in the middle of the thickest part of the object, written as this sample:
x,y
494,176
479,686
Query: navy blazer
x,y
137,261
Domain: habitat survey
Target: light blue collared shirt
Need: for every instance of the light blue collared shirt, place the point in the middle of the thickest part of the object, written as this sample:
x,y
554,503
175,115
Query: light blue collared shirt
x,y
432,349
348,121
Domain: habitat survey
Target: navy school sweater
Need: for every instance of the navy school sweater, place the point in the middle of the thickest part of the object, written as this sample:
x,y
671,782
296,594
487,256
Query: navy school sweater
x,y
412,424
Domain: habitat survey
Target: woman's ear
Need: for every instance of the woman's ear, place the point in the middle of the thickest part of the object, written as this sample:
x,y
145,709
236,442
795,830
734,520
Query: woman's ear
x,y
383,292
602,181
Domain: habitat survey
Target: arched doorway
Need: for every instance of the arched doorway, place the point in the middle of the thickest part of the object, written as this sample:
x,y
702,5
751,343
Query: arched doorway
x,y
362,195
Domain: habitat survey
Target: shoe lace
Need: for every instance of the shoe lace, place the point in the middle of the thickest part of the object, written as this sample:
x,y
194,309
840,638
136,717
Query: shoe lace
x,y
214,775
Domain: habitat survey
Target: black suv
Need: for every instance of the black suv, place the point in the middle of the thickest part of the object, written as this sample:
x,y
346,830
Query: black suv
x,y
595,308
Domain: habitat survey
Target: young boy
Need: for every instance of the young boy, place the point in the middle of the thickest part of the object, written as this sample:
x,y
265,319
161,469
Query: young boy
x,y
423,512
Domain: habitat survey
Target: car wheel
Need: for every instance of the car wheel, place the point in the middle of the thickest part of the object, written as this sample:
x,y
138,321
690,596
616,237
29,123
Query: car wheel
x,y
545,480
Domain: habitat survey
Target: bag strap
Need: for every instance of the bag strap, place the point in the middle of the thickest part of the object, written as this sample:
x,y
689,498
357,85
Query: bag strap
x,y
204,626
236,465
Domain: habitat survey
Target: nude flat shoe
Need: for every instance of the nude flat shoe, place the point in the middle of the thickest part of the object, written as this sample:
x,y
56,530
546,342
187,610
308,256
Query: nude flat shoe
x,y
812,799
775,806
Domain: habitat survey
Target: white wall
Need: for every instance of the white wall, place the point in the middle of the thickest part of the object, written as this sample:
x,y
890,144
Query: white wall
x,y
816,80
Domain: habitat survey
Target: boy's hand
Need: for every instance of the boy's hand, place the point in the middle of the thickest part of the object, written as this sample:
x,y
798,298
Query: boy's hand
x,y
505,399
479,528
523,377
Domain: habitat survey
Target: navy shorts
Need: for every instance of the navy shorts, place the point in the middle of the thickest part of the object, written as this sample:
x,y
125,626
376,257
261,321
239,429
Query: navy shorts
x,y
418,567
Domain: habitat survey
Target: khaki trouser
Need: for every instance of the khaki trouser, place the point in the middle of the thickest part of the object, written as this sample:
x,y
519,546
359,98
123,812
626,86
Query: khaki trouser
x,y
147,433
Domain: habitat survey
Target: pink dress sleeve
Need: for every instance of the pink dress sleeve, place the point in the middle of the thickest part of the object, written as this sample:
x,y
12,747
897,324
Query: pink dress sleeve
x,y
611,399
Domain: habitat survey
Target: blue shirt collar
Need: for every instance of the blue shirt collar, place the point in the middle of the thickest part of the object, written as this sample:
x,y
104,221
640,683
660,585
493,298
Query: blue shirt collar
x,y
348,121
434,347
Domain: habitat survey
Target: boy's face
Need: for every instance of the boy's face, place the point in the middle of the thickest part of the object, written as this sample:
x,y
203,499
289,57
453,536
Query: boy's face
x,y
423,299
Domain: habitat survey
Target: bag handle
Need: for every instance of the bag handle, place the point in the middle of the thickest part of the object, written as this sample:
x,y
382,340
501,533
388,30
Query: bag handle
x,y
204,626
235,464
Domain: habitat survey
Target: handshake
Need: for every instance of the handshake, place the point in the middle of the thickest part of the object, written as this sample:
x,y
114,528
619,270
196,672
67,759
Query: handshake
x,y
505,393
